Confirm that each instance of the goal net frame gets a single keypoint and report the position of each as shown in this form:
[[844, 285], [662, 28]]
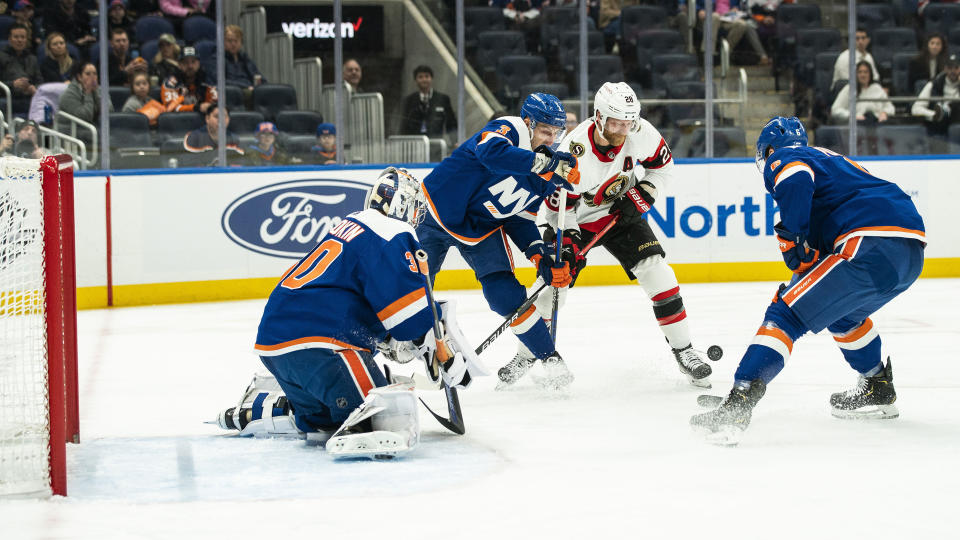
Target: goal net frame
[[58, 305]]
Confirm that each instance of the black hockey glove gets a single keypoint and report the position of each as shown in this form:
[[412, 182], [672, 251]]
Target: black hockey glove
[[637, 201], [572, 253]]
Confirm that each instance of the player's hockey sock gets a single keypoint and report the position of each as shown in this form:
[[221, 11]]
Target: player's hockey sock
[[672, 317], [533, 333], [771, 346], [860, 346]]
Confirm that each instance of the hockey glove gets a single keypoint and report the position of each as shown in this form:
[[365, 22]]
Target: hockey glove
[[798, 256], [571, 253], [562, 164], [637, 201], [554, 274]]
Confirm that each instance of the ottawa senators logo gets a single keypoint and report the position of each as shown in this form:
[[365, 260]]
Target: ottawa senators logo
[[577, 149], [614, 187]]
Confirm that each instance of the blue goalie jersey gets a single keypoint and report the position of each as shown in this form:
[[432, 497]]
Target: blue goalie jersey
[[486, 183], [831, 198], [360, 282]]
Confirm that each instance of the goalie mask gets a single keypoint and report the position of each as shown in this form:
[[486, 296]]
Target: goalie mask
[[396, 194], [616, 100]]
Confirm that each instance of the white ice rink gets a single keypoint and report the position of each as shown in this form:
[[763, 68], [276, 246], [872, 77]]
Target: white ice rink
[[611, 458]]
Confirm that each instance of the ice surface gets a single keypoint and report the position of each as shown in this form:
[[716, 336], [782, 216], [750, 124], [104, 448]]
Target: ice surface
[[611, 457]]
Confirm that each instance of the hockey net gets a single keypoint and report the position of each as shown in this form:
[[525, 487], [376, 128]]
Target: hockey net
[[37, 325]]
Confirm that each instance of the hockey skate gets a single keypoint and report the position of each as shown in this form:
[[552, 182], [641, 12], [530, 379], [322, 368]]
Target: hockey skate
[[725, 424], [514, 370], [873, 397], [692, 365], [556, 373]]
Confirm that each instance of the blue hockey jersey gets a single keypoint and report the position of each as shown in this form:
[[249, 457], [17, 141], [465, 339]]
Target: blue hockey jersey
[[487, 184], [831, 198], [360, 282]]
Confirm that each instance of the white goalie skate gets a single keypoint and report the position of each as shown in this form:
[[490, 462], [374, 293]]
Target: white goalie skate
[[383, 426]]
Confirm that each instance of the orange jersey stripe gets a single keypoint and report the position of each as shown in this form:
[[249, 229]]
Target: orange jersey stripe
[[306, 340], [436, 216], [792, 168], [359, 371], [777, 334], [850, 247], [811, 278], [857, 333], [401, 303], [878, 231]]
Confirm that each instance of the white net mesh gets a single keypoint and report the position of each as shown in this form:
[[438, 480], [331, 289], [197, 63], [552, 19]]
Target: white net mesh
[[24, 425]]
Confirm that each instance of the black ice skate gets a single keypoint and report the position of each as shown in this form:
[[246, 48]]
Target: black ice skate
[[556, 374], [514, 370], [726, 423], [692, 365], [873, 397]]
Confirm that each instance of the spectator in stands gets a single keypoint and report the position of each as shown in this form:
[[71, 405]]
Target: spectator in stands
[[266, 151], [64, 17], [82, 96], [23, 13], [19, 69], [119, 18], [140, 100], [737, 23], [166, 62], [325, 151], [352, 73], [239, 69], [610, 18], [190, 91], [523, 16], [176, 11], [940, 114], [26, 142], [572, 121], [57, 60], [764, 14], [140, 8], [868, 112], [426, 111], [203, 141], [841, 68], [121, 62], [928, 62]]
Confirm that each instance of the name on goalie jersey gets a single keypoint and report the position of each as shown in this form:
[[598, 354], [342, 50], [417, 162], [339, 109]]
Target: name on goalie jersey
[[288, 219]]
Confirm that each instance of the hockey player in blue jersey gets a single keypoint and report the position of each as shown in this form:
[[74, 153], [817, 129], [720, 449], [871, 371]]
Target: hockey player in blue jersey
[[854, 242], [490, 189], [325, 319]]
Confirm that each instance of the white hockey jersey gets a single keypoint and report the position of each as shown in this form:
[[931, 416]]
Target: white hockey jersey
[[605, 176]]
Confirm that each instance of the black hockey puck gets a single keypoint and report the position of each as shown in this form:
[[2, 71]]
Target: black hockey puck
[[714, 352], [708, 401]]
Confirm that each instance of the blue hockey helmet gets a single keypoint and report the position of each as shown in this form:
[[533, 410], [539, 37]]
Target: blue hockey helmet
[[779, 132], [397, 194], [545, 108]]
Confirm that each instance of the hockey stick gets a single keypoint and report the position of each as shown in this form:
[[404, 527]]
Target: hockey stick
[[561, 219], [533, 297], [455, 422]]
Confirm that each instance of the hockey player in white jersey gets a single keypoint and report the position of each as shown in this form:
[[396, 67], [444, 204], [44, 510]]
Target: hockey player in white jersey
[[625, 165]]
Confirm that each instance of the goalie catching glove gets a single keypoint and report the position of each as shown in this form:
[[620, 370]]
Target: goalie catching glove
[[798, 256], [637, 201], [572, 251], [562, 164]]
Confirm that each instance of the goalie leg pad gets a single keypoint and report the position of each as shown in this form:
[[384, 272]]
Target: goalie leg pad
[[385, 424]]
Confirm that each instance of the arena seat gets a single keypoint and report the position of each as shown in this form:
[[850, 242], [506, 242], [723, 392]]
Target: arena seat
[[636, 19], [886, 42], [174, 125], [478, 19], [128, 130], [941, 18], [270, 99], [493, 44], [515, 71], [568, 48], [558, 89], [873, 16], [150, 27], [198, 27], [299, 122], [245, 122]]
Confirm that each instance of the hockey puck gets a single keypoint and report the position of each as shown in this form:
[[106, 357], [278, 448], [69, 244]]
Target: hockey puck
[[714, 352], [706, 400]]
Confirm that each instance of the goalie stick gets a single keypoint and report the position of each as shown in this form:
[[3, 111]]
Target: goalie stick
[[533, 297], [455, 422]]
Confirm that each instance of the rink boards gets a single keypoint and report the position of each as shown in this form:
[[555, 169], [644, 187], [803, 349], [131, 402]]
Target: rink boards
[[183, 235]]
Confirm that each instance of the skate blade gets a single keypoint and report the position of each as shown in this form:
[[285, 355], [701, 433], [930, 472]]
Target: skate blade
[[699, 383], [877, 412], [552, 383], [728, 436], [372, 445]]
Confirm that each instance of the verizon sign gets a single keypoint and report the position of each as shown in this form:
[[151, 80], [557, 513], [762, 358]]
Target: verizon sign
[[313, 31], [320, 30]]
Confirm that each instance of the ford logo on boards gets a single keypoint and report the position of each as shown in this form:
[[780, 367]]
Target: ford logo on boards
[[289, 218]]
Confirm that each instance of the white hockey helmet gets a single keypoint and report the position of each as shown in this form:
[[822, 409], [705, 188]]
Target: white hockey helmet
[[397, 194], [616, 100]]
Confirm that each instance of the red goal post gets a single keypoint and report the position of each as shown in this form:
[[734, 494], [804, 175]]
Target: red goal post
[[38, 339]]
